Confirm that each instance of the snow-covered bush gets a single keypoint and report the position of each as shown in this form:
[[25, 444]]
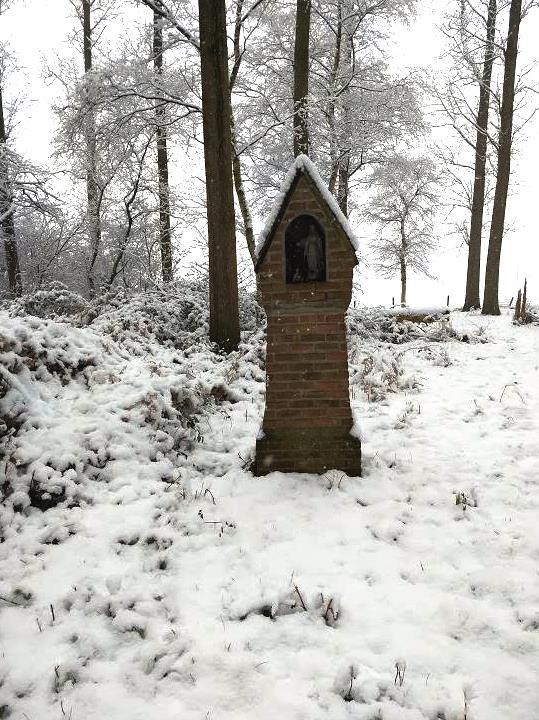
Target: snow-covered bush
[[294, 600], [74, 404], [53, 301], [252, 315], [533, 314], [376, 324], [379, 325], [391, 694], [174, 317], [380, 371]]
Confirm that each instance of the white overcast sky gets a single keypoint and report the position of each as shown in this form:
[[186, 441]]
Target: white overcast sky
[[37, 30]]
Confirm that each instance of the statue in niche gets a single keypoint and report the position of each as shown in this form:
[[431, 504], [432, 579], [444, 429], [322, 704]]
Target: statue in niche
[[305, 250]]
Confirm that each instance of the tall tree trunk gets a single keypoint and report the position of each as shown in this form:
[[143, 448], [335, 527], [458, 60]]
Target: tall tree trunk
[[344, 177], [333, 137], [403, 280], [242, 197], [478, 199], [216, 114], [165, 237], [346, 122], [7, 219], [236, 162], [492, 275], [93, 194], [301, 77], [402, 258]]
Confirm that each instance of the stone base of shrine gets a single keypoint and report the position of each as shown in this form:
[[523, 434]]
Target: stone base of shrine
[[312, 450]]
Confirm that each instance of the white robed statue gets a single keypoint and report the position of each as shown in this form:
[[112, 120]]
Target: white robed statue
[[312, 254]]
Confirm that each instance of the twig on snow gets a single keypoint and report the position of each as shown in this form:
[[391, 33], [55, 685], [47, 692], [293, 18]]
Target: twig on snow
[[513, 385], [300, 598]]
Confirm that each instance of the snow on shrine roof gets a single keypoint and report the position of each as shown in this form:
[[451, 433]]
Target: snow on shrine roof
[[301, 165]]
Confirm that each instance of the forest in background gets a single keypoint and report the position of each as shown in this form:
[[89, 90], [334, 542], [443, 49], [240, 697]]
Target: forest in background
[[104, 215]]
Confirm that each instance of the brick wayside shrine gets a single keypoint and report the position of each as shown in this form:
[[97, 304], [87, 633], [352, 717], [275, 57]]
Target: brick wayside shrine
[[305, 260]]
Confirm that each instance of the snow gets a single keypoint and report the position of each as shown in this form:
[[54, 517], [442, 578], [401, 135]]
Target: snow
[[303, 164], [421, 310], [169, 582]]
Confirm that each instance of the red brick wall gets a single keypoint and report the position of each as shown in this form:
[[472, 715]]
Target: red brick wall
[[340, 258], [308, 417]]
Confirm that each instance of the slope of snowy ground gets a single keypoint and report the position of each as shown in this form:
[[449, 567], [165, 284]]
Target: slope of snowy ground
[[170, 583]]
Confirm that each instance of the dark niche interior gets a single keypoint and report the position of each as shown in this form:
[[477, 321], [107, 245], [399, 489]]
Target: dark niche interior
[[305, 250]]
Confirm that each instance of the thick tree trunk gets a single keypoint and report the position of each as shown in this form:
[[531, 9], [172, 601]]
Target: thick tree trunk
[[216, 114], [472, 299], [7, 219], [344, 176], [403, 282], [93, 194], [403, 263], [492, 275], [301, 77], [165, 236]]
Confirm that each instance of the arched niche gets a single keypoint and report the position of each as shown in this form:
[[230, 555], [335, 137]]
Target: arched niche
[[305, 250]]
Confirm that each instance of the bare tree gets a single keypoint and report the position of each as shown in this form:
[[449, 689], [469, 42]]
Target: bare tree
[[301, 77], [216, 114], [402, 210], [7, 212], [240, 18], [481, 145], [497, 226], [357, 110], [24, 188], [131, 215], [165, 11], [126, 96], [162, 156], [363, 108], [471, 100], [467, 103], [246, 18], [92, 187]]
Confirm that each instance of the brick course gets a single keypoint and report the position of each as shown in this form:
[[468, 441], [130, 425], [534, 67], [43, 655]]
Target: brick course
[[307, 419]]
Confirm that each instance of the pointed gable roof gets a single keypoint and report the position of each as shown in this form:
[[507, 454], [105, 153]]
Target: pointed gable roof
[[302, 165]]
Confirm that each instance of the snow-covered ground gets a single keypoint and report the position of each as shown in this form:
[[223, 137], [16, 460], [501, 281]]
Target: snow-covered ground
[[169, 583]]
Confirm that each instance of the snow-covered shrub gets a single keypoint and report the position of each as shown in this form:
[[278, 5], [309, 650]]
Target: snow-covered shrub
[[377, 325], [390, 694], [252, 315], [379, 372], [175, 317], [403, 419], [466, 499], [443, 330], [438, 356], [37, 350], [53, 301], [294, 600], [37, 359], [15, 594], [77, 401], [533, 314]]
